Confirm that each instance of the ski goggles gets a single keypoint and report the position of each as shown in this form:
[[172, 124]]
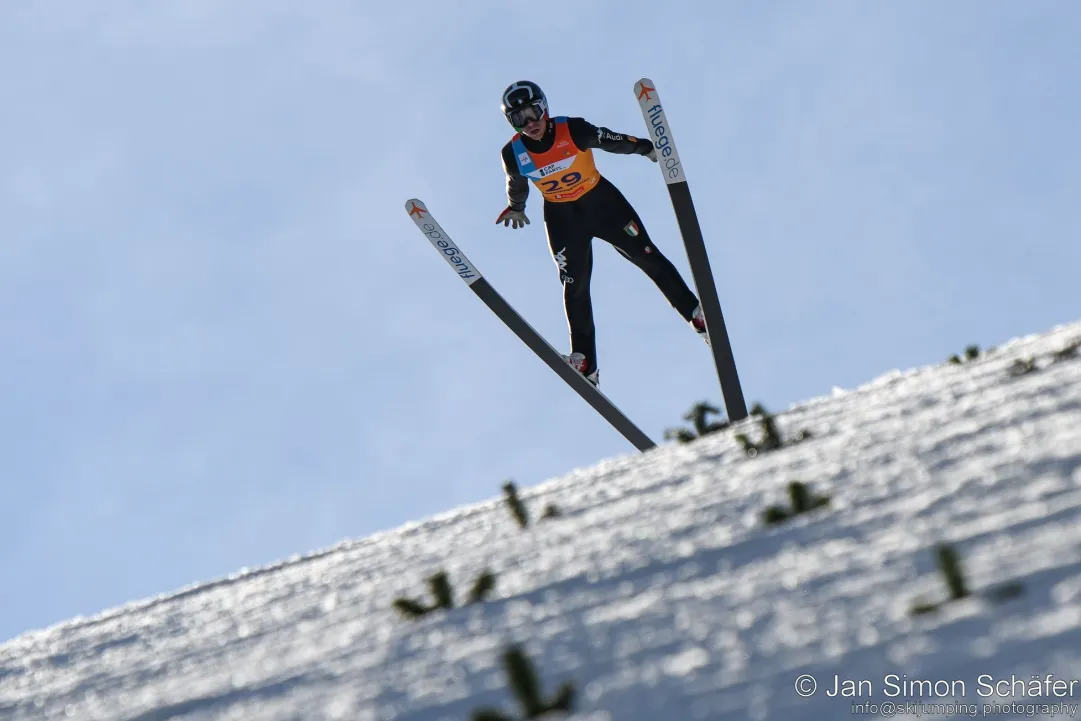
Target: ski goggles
[[521, 117]]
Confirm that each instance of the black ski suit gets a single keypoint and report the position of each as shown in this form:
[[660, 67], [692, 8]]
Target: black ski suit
[[600, 211]]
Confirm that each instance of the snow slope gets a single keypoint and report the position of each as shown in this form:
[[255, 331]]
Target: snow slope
[[659, 592]]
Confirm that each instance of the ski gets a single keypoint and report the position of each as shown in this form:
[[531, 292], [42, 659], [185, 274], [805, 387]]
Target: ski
[[468, 272], [668, 159]]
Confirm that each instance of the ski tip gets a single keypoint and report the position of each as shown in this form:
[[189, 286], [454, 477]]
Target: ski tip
[[416, 208], [645, 89]]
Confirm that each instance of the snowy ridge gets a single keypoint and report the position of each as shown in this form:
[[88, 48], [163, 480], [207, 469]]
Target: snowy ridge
[[659, 592]]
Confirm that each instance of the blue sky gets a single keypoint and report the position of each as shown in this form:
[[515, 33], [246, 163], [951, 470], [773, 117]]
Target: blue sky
[[224, 342]]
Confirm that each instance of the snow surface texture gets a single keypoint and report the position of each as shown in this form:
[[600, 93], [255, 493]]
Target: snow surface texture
[[659, 592]]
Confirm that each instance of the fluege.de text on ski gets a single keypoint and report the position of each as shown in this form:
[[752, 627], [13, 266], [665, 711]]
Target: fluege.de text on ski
[[664, 147], [453, 255]]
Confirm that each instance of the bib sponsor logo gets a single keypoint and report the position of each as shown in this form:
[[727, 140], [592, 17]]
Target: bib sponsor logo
[[553, 168]]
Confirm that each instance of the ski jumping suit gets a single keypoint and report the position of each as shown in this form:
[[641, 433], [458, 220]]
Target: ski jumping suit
[[579, 205]]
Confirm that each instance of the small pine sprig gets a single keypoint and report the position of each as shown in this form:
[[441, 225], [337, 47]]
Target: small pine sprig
[[697, 416], [524, 684], [1068, 352], [519, 510], [771, 436], [483, 586], [1028, 365], [410, 608], [972, 352], [775, 515], [949, 565], [439, 587], [681, 435], [443, 596], [1021, 367], [801, 500]]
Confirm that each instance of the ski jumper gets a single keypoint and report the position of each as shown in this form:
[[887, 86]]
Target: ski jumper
[[580, 204]]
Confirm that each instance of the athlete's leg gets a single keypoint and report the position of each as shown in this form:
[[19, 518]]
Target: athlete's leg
[[616, 221], [571, 244]]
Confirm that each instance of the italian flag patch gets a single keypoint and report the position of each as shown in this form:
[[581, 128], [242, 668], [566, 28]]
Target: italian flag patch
[[631, 228]]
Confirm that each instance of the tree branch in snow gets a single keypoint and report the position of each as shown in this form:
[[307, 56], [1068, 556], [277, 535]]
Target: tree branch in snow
[[525, 685], [482, 587], [518, 509], [697, 417], [949, 565], [1067, 353], [971, 354], [801, 500], [1022, 367], [439, 587], [771, 436]]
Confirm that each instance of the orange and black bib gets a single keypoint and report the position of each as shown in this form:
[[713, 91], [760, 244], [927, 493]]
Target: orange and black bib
[[563, 173]]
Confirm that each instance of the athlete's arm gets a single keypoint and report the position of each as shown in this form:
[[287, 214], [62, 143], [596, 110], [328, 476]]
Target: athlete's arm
[[587, 135], [517, 184]]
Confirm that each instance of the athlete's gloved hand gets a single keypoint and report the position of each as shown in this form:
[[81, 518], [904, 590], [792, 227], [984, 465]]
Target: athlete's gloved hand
[[647, 143], [508, 216]]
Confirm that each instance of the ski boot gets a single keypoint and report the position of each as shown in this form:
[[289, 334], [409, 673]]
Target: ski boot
[[698, 322], [579, 363]]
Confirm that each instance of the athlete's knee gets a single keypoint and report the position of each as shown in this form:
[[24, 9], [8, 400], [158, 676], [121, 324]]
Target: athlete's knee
[[644, 254]]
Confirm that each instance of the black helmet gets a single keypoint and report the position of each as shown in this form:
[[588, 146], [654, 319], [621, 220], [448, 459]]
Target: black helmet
[[523, 101]]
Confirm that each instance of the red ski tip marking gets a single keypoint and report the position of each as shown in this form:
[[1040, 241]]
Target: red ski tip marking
[[646, 90], [415, 210]]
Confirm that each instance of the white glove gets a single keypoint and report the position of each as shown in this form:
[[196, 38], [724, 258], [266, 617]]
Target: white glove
[[652, 155], [517, 217]]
